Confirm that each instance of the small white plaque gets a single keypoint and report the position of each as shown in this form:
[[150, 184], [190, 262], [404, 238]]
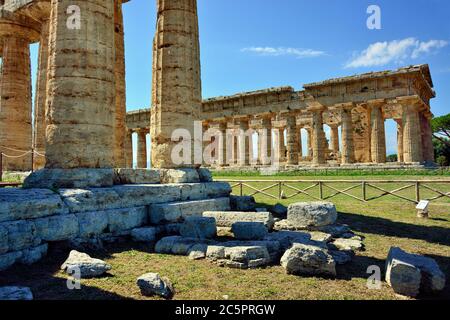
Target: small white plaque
[[423, 205]]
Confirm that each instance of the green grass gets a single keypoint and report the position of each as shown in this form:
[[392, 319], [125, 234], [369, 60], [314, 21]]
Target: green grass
[[384, 223]]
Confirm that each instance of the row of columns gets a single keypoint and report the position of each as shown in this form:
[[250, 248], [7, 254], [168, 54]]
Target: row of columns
[[141, 150], [414, 136]]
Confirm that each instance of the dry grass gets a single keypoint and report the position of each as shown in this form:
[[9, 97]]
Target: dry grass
[[384, 223]]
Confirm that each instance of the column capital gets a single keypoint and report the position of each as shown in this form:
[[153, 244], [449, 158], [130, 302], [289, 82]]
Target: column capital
[[19, 26], [345, 106], [376, 103], [413, 100]]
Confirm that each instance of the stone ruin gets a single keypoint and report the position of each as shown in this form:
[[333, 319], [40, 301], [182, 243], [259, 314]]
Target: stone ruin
[[85, 196]]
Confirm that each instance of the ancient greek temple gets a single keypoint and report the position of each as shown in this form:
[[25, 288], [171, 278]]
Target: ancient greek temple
[[79, 117]]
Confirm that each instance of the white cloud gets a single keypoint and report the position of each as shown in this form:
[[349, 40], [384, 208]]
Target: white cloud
[[282, 51], [396, 51]]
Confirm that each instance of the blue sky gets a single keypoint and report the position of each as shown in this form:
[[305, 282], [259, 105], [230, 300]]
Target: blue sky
[[255, 44]]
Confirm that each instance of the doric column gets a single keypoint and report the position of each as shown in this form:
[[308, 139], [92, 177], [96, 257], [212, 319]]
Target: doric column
[[334, 138], [427, 136], [348, 145], [292, 137], [378, 137], [399, 140], [222, 147], [120, 90], [81, 107], [176, 91], [263, 126], [142, 149], [309, 142], [16, 33], [244, 143], [318, 138], [300, 143], [412, 141], [40, 101], [129, 149]]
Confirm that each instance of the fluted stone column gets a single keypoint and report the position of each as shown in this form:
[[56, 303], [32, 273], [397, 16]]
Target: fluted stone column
[[142, 149], [40, 102], [427, 137], [317, 138], [129, 149], [378, 137], [348, 147], [334, 141], [399, 140], [292, 138], [176, 91], [282, 146], [16, 33], [120, 99], [222, 146], [309, 142], [81, 107], [412, 141], [300, 143], [265, 142], [244, 143]]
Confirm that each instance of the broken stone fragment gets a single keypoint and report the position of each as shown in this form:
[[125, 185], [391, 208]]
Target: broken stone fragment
[[249, 230], [239, 257], [146, 234], [242, 203], [308, 260], [279, 211], [82, 264], [346, 244], [15, 293], [199, 227], [228, 218], [311, 214], [151, 284]]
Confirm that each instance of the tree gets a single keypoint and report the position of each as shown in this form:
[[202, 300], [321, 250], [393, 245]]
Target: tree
[[442, 151], [441, 129], [392, 158]]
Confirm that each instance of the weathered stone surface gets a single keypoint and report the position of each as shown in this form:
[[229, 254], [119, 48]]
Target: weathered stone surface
[[96, 199], [179, 245], [151, 284], [33, 255], [242, 203], [4, 246], [26, 204], [217, 189], [178, 211], [347, 244], [193, 191], [92, 223], [57, 228], [199, 227], [8, 259], [70, 178], [409, 274], [226, 219], [240, 257], [320, 236], [146, 234], [308, 260], [279, 211], [336, 230], [15, 293], [204, 175], [86, 266], [315, 214], [126, 219], [137, 176], [21, 234], [179, 176], [143, 195], [249, 230], [289, 238], [341, 257], [198, 251]]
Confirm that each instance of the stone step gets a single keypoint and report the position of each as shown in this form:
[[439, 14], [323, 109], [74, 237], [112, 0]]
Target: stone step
[[228, 218], [177, 211]]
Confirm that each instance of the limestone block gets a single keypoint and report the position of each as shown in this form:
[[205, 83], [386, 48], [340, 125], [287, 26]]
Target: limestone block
[[408, 274], [199, 227], [192, 191], [8, 259], [86, 200], [57, 228], [179, 176], [315, 214], [308, 260], [198, 251], [342, 257], [92, 223], [227, 218], [249, 230], [273, 247], [242, 203], [143, 195], [217, 189], [347, 244], [177, 211], [4, 246], [15, 294], [279, 211], [288, 238], [86, 266], [204, 175], [18, 204], [240, 257], [152, 284], [179, 245], [147, 234], [70, 178], [137, 176], [21, 234], [126, 219], [33, 255]]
